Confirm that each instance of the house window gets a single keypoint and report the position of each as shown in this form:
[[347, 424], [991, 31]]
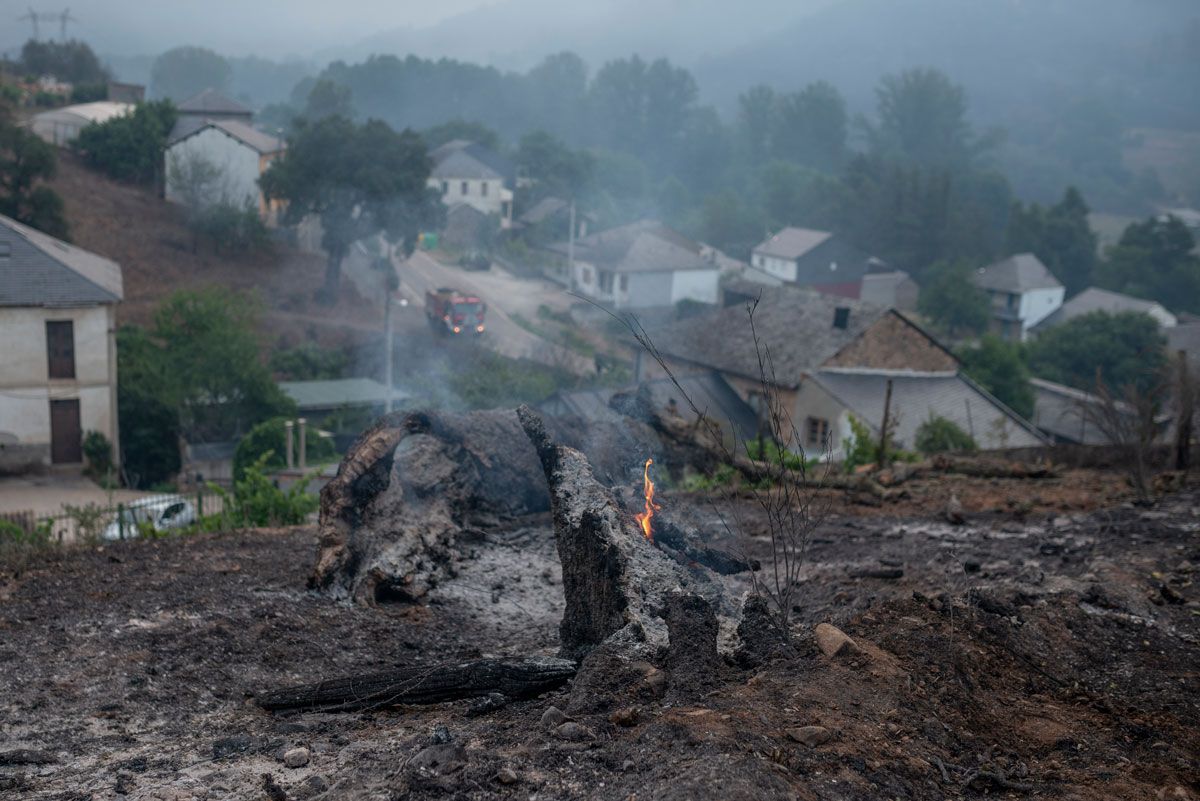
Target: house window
[[5, 250], [483, 188], [1012, 300], [465, 188], [60, 348], [606, 282], [624, 283], [816, 431], [445, 187]]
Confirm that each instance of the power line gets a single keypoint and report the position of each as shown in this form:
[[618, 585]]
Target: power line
[[35, 18]]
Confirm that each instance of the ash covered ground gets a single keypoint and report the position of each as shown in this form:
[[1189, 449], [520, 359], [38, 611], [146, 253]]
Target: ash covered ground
[[1046, 649]]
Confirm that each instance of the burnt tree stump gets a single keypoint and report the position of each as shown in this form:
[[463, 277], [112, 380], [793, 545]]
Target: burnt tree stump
[[692, 658], [616, 583]]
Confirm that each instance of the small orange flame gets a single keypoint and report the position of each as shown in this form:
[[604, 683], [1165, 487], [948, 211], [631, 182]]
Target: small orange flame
[[643, 519]]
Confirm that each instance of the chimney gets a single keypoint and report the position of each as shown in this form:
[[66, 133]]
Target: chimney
[[841, 317]]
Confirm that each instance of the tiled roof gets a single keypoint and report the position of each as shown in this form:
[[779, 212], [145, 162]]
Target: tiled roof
[[248, 135], [792, 243], [640, 247], [1095, 299], [917, 396], [1020, 273], [40, 270], [797, 325], [210, 101]]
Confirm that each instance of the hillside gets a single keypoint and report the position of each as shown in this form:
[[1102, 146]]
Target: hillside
[[149, 238]]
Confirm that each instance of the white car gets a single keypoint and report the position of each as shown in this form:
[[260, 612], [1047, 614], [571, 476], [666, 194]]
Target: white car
[[162, 512]]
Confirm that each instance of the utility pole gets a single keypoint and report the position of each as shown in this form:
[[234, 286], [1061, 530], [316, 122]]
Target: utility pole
[[883, 428], [387, 349], [571, 249], [34, 18]]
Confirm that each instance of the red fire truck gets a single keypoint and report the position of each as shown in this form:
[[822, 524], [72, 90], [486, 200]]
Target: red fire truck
[[451, 312]]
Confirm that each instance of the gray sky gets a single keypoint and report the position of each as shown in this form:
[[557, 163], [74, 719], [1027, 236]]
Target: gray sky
[[270, 28]]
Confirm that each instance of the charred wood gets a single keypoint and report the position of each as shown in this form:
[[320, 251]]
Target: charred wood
[[431, 684]]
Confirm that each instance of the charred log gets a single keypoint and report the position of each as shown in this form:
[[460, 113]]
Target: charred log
[[414, 485], [432, 684]]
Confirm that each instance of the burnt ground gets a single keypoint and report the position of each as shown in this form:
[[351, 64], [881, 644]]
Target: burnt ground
[[1043, 652]]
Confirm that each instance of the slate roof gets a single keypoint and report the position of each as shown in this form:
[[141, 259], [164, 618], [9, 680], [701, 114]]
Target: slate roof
[[1017, 274], [260, 142], [335, 393], [543, 209], [709, 391], [645, 246], [1095, 299], [40, 270], [210, 102], [792, 243], [99, 111], [796, 324], [916, 396], [461, 159]]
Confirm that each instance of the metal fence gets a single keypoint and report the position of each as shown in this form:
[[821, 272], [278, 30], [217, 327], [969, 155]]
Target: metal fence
[[162, 514]]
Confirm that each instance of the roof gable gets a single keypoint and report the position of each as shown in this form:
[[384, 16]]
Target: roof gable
[[262, 143], [43, 271]]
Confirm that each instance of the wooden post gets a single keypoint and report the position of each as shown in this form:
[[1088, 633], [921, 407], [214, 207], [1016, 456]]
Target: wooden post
[[883, 428], [121, 520], [1187, 405]]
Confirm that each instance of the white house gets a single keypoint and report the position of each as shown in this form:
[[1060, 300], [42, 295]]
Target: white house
[[1094, 299], [816, 259], [61, 126], [641, 265], [466, 172], [220, 161], [1022, 294], [58, 376]]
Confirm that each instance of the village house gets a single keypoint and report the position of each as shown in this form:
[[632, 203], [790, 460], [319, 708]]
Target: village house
[[61, 126], [220, 161], [58, 377], [1094, 299], [641, 265], [833, 359], [1022, 293], [209, 105], [816, 259], [467, 172]]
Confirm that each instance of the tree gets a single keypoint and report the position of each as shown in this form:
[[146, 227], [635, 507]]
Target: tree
[[71, 61], [130, 147], [183, 72], [729, 224], [554, 167], [809, 127], [197, 374], [266, 445], [939, 435], [1059, 235], [1154, 260], [26, 162], [999, 367], [558, 90], [361, 180], [952, 301], [1124, 349], [641, 108], [793, 195], [328, 99], [756, 113], [922, 119]]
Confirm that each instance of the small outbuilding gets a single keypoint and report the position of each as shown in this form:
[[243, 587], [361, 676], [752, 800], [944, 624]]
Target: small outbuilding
[[61, 126]]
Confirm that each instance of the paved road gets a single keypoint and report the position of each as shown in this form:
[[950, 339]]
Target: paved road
[[505, 295]]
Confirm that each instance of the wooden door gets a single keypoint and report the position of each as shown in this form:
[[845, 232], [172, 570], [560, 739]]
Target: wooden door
[[66, 438]]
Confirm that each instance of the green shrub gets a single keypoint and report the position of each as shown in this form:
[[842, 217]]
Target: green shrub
[[229, 229], [939, 435], [129, 147], [309, 362], [98, 451], [268, 440], [723, 476], [256, 501], [860, 447]]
